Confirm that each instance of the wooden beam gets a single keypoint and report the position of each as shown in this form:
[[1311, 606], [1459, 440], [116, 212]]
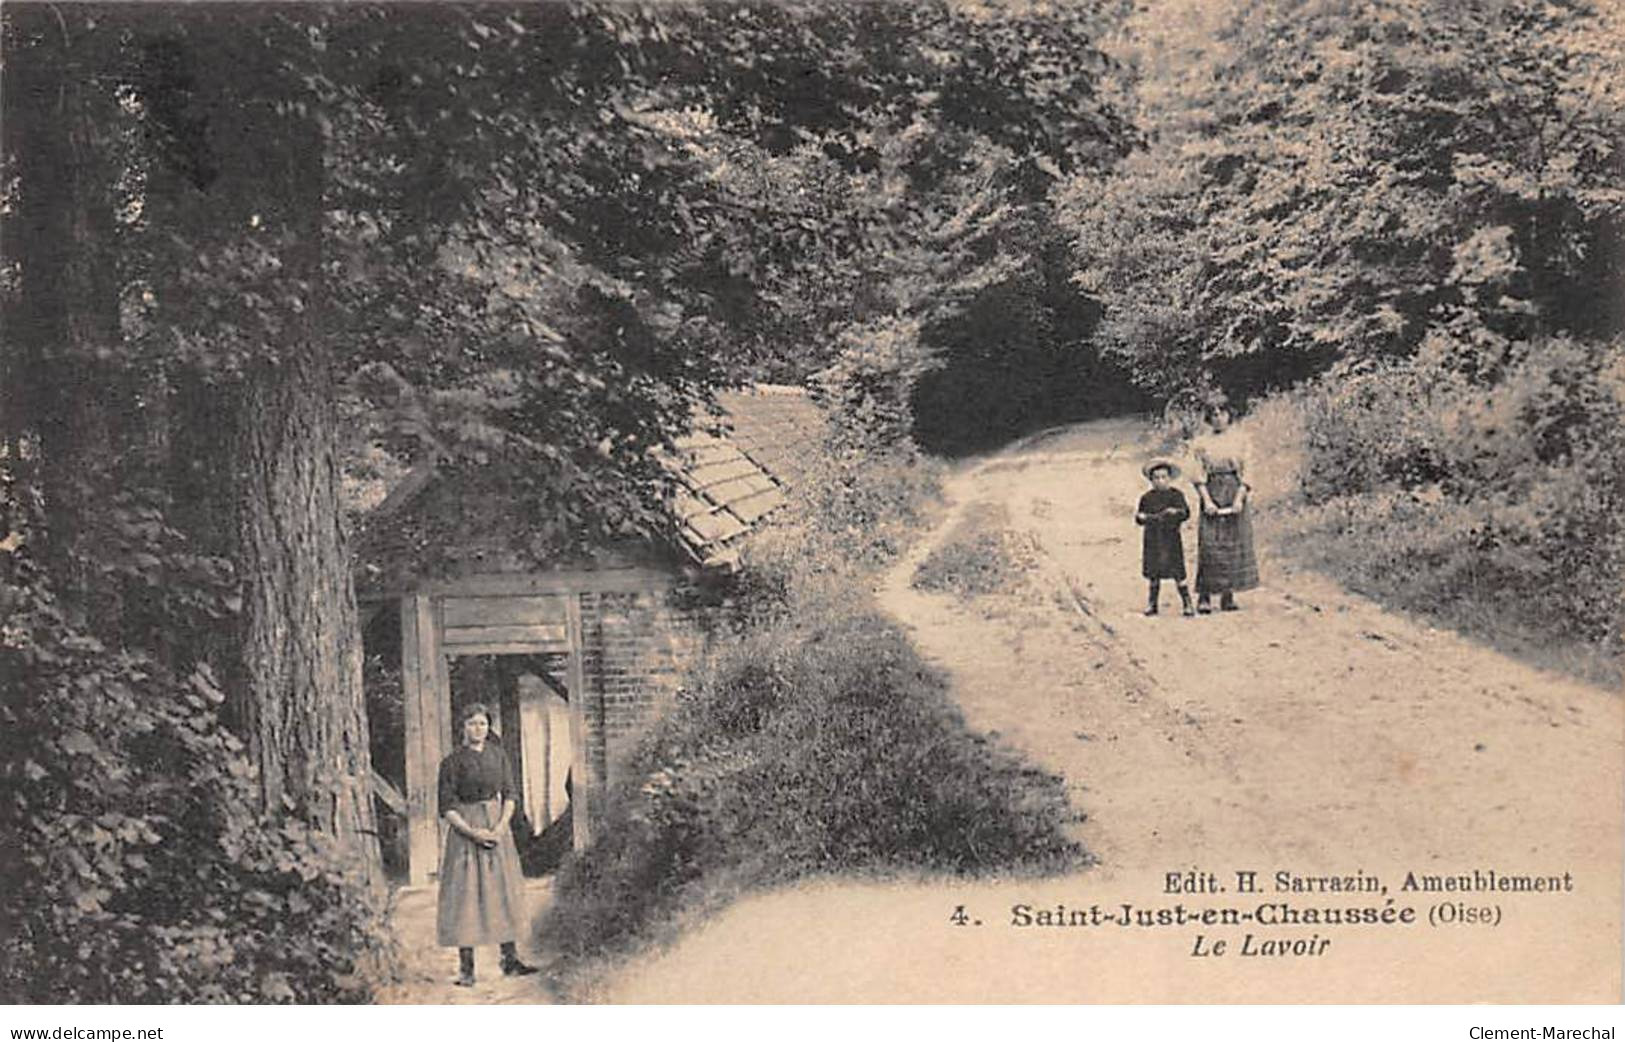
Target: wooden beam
[[510, 610], [406, 490], [421, 687], [533, 739], [387, 792], [444, 741], [514, 648], [608, 580], [418, 854], [554, 635]]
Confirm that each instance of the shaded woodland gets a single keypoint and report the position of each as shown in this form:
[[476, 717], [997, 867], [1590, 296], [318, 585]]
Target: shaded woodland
[[254, 257]]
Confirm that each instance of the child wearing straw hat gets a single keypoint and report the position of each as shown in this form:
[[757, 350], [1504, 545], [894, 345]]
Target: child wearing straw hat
[[1161, 512]]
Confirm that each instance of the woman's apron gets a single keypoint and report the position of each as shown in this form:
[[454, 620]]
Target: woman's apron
[[481, 890], [1225, 560]]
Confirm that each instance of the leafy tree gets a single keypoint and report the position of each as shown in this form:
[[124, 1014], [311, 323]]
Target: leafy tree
[[1325, 182], [246, 245]]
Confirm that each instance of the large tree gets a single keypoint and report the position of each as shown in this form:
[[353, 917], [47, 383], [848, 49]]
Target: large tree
[[534, 237], [1326, 182]]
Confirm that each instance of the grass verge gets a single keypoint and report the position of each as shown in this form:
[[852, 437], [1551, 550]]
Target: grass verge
[[981, 555], [817, 743], [1412, 555], [1446, 510]]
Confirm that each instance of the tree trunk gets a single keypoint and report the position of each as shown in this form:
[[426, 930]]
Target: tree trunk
[[68, 388], [298, 696], [258, 466], [301, 702]]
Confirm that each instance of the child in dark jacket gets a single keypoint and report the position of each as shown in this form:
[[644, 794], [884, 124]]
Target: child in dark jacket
[[1161, 511]]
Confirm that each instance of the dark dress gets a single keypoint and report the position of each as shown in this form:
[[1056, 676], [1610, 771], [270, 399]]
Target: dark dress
[[481, 897], [1163, 555], [1225, 561]]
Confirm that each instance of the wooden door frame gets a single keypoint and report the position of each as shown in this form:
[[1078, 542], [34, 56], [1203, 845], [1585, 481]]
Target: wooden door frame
[[426, 691]]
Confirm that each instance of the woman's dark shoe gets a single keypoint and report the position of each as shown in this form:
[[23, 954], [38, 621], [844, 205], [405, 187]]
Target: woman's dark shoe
[[1151, 609], [1204, 606], [1228, 603], [511, 964], [1187, 610], [464, 981]]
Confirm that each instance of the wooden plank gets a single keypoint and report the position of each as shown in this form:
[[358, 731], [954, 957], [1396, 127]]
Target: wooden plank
[[714, 528], [728, 492], [714, 475], [508, 648], [387, 792], [755, 507], [608, 580], [558, 756], [583, 789], [443, 739], [423, 834], [505, 635], [458, 612], [416, 480]]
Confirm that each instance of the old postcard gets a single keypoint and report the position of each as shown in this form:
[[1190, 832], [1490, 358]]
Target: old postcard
[[973, 501]]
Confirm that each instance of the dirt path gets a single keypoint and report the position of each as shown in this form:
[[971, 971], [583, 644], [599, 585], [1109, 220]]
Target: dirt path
[[1312, 733], [428, 970]]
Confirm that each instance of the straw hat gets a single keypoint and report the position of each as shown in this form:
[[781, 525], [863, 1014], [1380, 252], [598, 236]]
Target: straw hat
[[1173, 468]]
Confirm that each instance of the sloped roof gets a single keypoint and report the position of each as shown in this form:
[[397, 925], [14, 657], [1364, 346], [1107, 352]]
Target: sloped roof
[[728, 484], [778, 427]]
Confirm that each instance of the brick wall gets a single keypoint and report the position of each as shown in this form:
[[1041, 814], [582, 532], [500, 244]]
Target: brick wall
[[638, 647]]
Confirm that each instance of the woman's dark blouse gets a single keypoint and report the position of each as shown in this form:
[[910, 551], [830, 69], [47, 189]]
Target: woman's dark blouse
[[467, 776]]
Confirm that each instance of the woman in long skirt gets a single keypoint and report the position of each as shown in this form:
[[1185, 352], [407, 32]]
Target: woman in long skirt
[[1225, 560], [481, 885]]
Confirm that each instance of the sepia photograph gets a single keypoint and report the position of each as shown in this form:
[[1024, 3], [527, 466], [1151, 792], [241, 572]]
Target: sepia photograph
[[819, 502]]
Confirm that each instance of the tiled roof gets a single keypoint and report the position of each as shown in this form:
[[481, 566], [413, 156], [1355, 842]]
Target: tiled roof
[[778, 427], [729, 484]]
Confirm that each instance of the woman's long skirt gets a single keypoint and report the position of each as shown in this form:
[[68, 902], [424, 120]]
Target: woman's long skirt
[[481, 890], [1225, 561]]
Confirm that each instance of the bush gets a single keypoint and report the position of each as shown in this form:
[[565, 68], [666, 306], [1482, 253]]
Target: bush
[[818, 742], [1498, 508], [137, 867], [1366, 431], [819, 746]]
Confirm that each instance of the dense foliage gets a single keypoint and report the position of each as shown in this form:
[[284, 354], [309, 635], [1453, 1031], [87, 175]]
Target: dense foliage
[[139, 865], [817, 749], [818, 742], [253, 248], [1497, 510], [1330, 182], [1420, 203]]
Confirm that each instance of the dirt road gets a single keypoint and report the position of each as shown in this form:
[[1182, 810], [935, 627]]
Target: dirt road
[[1311, 733]]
